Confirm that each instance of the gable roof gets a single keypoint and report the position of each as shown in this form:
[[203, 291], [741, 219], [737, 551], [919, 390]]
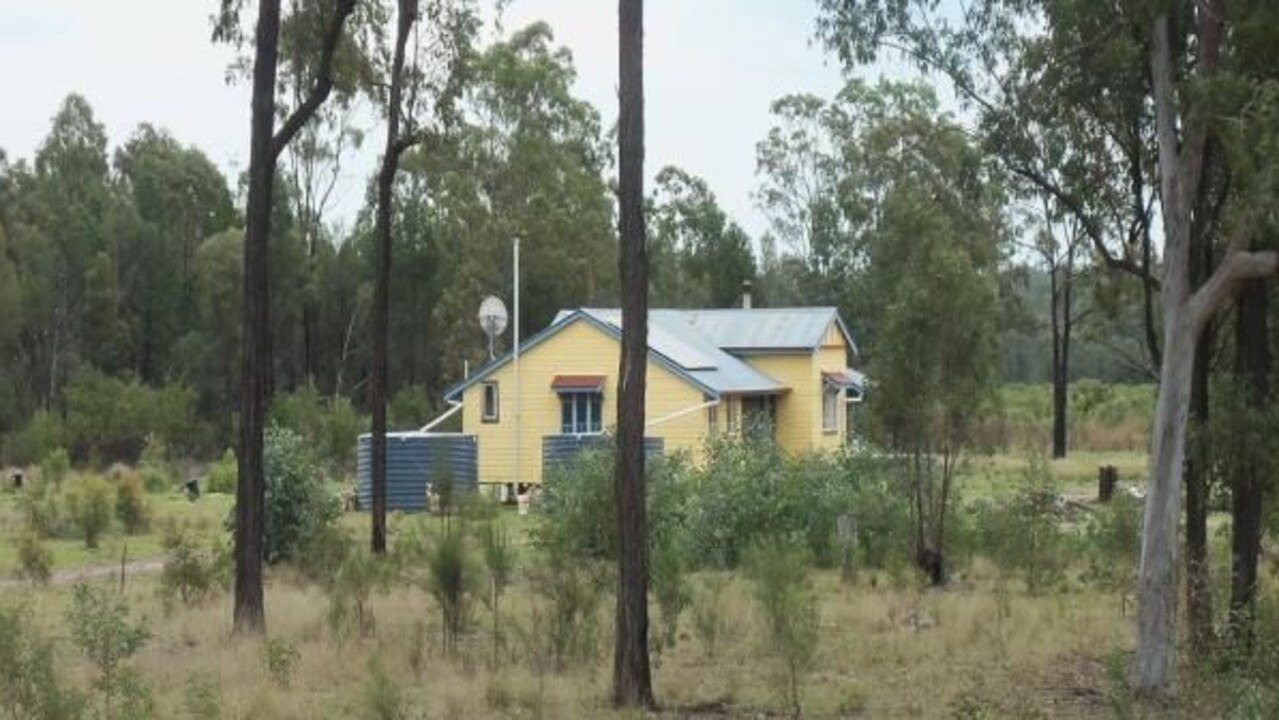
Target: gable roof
[[698, 345], [767, 329]]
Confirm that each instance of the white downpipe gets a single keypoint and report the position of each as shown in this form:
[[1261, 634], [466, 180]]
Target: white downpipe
[[681, 413], [517, 360], [457, 405]]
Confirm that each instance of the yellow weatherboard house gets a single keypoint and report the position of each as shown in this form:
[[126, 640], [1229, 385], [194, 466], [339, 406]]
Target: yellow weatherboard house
[[783, 371]]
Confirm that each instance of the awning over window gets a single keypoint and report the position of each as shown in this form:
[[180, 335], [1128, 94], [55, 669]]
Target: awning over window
[[846, 379], [578, 383]]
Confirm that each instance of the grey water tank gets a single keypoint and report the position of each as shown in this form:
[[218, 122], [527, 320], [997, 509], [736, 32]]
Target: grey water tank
[[413, 461]]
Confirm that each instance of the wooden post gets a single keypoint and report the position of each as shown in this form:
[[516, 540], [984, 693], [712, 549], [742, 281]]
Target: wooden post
[[1107, 478]]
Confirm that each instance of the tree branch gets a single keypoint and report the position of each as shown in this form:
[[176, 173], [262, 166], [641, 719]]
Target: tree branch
[[323, 81], [1238, 265]]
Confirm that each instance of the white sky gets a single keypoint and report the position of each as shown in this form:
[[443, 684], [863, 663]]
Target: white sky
[[712, 67]]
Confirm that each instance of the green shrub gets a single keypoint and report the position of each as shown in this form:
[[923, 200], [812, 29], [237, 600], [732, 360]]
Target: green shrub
[[383, 697], [1024, 536], [297, 504], [578, 515], [668, 583], [42, 434], [101, 627], [156, 480], [223, 474], [499, 562], [89, 507], [202, 698], [157, 473], [451, 582], [192, 572], [1113, 537], [44, 509], [110, 419], [55, 466], [779, 570], [132, 508], [564, 626], [329, 425], [35, 559], [708, 612], [29, 683], [279, 659]]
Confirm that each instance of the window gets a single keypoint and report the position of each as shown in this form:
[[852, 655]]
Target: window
[[581, 413], [712, 418], [491, 403], [830, 409], [732, 415]]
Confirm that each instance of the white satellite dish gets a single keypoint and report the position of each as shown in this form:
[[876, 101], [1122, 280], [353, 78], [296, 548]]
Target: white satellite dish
[[493, 319]]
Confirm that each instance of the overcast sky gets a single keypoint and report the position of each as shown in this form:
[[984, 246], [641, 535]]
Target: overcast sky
[[711, 69]]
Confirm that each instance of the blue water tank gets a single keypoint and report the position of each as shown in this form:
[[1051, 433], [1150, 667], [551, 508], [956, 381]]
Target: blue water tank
[[413, 461]]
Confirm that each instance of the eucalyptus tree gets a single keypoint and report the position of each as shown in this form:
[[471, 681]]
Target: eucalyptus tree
[[1148, 56], [267, 141], [422, 85], [632, 676], [698, 257]]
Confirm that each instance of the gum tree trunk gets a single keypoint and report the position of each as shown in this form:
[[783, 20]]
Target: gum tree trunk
[[632, 678], [250, 500], [1252, 368]]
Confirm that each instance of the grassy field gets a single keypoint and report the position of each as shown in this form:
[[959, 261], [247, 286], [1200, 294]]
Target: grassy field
[[983, 647], [886, 650]]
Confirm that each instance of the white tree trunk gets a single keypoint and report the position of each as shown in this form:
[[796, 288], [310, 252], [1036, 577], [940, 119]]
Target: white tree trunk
[[1157, 583]]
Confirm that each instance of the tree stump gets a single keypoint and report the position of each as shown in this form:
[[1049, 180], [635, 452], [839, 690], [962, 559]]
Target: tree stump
[[846, 528], [1107, 479]]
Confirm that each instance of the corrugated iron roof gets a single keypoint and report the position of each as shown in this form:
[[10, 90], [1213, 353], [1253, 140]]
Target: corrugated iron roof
[[767, 329], [702, 345], [671, 335]]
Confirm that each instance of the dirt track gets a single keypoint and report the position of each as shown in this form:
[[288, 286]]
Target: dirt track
[[93, 572]]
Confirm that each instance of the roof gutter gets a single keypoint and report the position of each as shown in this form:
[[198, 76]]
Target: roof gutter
[[682, 413], [457, 405]]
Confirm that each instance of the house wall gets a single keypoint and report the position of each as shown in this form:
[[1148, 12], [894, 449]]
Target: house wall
[[578, 349], [830, 356], [799, 411]]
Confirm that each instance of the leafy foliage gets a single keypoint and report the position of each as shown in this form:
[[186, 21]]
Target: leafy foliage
[[298, 506], [101, 627], [29, 682], [780, 574], [89, 507]]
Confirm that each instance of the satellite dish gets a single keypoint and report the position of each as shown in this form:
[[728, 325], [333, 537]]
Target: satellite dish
[[493, 319]]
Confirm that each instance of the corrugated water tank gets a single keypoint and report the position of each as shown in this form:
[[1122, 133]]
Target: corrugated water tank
[[413, 461]]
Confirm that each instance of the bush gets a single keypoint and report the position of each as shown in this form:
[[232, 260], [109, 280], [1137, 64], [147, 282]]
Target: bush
[[110, 419], [499, 562], [55, 466], [29, 683], [297, 504], [329, 425], [42, 434], [564, 627], [279, 659], [451, 582], [35, 559], [102, 629], [223, 474], [44, 509], [157, 473], [192, 572], [780, 573], [1024, 536], [578, 518], [89, 507], [383, 698], [1113, 536], [132, 508], [708, 612], [669, 585]]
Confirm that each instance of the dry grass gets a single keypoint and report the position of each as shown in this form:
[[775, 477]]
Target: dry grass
[[886, 650]]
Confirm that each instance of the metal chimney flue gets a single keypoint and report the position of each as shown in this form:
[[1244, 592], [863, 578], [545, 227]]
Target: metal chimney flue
[[746, 294]]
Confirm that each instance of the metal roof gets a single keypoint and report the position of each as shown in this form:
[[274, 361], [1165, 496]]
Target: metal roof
[[670, 335], [767, 329], [699, 345]]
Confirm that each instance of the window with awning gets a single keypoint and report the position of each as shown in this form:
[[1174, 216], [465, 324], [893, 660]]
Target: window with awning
[[581, 403]]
